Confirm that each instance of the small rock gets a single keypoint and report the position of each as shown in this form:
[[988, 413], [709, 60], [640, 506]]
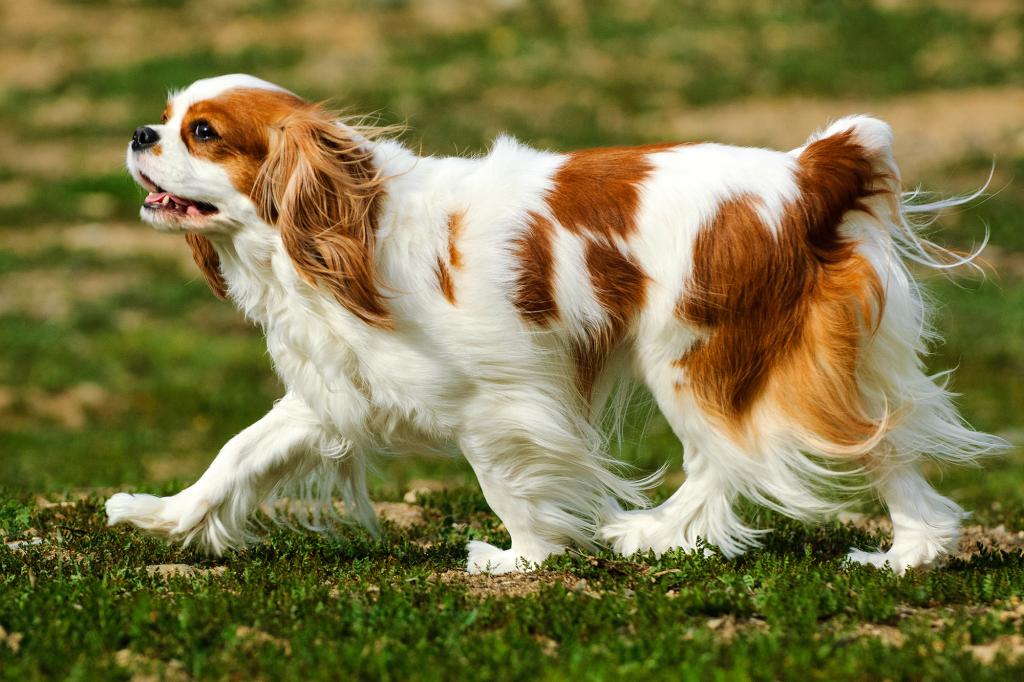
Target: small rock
[[246, 633], [548, 646], [401, 514], [422, 487], [18, 545], [44, 503], [182, 570], [1010, 646], [11, 640], [144, 667]]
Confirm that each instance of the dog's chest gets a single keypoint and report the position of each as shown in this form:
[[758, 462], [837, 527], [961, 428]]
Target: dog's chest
[[385, 387]]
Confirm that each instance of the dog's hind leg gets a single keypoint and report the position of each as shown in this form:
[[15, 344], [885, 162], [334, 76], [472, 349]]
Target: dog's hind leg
[[702, 509], [926, 525]]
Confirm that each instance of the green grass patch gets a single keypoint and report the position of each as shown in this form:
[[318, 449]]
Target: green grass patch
[[302, 606]]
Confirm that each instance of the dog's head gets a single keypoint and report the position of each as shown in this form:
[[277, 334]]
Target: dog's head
[[235, 151]]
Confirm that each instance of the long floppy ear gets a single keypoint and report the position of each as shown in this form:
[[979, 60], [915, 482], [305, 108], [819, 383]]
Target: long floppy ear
[[208, 261], [321, 189]]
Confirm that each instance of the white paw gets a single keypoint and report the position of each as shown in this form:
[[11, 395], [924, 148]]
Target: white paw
[[896, 561], [626, 535], [486, 558], [643, 531], [170, 517], [876, 559]]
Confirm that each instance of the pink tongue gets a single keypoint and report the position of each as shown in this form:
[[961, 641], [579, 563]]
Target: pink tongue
[[157, 197]]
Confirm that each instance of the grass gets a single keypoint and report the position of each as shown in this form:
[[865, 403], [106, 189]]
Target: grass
[[118, 370], [302, 606]]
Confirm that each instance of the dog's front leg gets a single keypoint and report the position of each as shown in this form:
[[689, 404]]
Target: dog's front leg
[[531, 544], [213, 512], [539, 476]]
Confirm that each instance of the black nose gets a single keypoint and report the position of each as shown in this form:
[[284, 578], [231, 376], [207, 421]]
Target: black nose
[[144, 137]]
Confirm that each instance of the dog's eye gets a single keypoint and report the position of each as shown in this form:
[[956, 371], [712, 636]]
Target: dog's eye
[[203, 131]]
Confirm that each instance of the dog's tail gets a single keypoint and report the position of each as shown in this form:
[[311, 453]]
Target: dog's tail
[[869, 234], [911, 213]]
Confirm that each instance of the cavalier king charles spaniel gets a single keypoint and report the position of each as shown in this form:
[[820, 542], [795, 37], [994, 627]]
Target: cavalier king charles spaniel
[[495, 304]]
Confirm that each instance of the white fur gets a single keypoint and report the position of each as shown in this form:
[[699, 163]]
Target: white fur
[[476, 376]]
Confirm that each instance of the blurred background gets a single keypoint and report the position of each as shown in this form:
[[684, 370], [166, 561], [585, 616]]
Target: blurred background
[[118, 368]]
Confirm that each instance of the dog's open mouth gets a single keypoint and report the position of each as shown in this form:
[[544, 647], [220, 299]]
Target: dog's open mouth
[[165, 201], [159, 199]]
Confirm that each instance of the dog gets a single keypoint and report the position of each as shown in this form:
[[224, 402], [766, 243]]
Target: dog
[[496, 304]]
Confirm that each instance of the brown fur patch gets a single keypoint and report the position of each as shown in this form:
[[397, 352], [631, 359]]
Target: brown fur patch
[[619, 283], [454, 231], [168, 113], [157, 150], [535, 285], [597, 191], [208, 261], [786, 314], [595, 194], [620, 288], [444, 280]]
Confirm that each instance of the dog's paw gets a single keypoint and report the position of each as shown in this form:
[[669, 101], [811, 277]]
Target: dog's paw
[[629, 532], [486, 558], [896, 561], [170, 517], [144, 511]]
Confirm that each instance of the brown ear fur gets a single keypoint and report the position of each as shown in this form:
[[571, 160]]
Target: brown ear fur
[[322, 191], [208, 261]]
